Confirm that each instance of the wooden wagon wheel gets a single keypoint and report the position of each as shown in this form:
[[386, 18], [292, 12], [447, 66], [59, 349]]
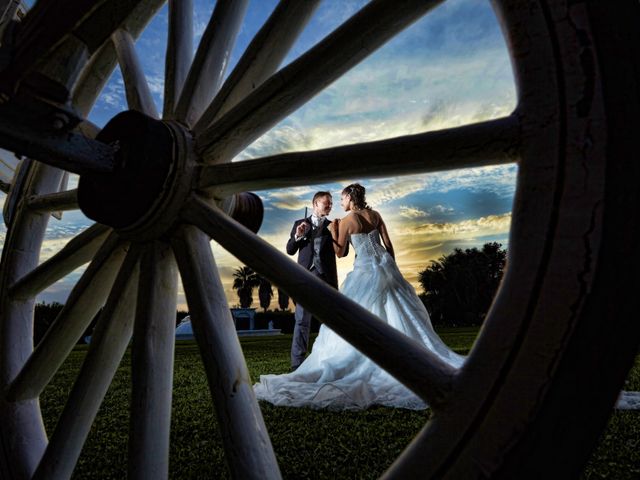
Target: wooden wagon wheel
[[542, 377]]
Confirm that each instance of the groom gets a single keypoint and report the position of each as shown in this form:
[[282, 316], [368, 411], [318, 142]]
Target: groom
[[311, 238]]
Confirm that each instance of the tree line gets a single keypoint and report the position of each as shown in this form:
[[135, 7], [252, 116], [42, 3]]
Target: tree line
[[458, 288]]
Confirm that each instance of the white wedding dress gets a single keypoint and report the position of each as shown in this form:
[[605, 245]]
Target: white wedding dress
[[335, 375]]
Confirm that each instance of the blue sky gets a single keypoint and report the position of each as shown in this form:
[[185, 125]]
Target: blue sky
[[450, 68]]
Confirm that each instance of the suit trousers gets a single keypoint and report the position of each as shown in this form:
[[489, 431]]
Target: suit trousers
[[301, 330]]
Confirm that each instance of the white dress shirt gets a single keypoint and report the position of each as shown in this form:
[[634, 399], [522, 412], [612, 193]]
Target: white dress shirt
[[315, 221]]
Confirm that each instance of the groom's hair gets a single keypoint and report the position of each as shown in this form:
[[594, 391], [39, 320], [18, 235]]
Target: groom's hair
[[319, 195]]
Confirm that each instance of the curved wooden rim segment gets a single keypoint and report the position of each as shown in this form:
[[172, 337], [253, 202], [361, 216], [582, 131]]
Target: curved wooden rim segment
[[84, 302], [540, 330], [21, 422]]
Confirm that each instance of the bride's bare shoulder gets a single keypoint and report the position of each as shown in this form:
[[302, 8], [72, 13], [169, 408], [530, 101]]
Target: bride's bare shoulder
[[376, 218], [351, 222]]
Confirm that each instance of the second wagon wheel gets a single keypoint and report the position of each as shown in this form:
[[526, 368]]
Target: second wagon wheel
[[543, 375]]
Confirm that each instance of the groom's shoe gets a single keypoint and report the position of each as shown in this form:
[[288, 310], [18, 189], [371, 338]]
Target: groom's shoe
[[293, 368]]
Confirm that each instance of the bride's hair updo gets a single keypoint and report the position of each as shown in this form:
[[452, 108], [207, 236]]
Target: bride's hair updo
[[356, 193]]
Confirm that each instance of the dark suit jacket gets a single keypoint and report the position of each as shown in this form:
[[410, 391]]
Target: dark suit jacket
[[304, 247]]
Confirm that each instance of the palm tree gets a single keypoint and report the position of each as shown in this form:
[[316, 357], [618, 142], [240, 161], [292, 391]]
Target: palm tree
[[265, 292], [244, 281]]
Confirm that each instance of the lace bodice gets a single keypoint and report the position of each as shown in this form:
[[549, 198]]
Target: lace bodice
[[367, 246]]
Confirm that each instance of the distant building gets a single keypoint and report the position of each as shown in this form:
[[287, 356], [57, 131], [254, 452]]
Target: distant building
[[243, 318]]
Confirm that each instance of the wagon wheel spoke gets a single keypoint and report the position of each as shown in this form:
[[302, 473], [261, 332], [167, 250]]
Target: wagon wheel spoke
[[246, 442], [138, 94], [295, 84], [152, 364], [54, 202], [489, 143], [98, 69], [211, 59], [84, 301], [404, 358], [67, 150], [261, 58], [109, 342], [77, 252], [179, 52]]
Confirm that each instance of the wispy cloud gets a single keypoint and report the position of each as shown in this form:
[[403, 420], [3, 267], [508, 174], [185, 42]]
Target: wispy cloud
[[156, 84], [499, 180], [440, 209], [295, 198], [286, 137], [438, 232], [415, 213], [411, 212], [114, 95], [388, 190]]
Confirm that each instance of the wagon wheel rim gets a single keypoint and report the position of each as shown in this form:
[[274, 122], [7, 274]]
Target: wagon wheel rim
[[548, 122]]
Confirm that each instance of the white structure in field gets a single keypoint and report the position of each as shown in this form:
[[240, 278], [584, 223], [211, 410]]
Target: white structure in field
[[244, 319]]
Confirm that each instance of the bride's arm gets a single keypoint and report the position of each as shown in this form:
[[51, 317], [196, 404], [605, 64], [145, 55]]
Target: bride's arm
[[382, 228], [339, 233]]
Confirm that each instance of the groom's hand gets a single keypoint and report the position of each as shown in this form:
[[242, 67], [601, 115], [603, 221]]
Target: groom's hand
[[302, 229]]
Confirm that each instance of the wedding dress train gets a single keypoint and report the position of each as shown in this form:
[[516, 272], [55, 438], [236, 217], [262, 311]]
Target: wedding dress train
[[335, 375]]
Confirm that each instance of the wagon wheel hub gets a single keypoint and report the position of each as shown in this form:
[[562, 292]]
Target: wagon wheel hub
[[143, 195]]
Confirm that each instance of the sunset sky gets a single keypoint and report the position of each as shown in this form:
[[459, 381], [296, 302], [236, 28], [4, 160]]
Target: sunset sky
[[450, 68]]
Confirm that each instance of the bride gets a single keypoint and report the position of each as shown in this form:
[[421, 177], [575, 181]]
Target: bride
[[335, 375]]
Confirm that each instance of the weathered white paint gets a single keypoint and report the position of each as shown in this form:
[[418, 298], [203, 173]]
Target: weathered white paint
[[211, 60], [489, 143], [84, 301], [109, 342], [179, 53], [77, 252], [247, 445], [137, 89], [59, 201], [261, 58], [152, 364]]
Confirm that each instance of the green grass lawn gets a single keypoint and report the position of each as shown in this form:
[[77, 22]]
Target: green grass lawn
[[308, 443]]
